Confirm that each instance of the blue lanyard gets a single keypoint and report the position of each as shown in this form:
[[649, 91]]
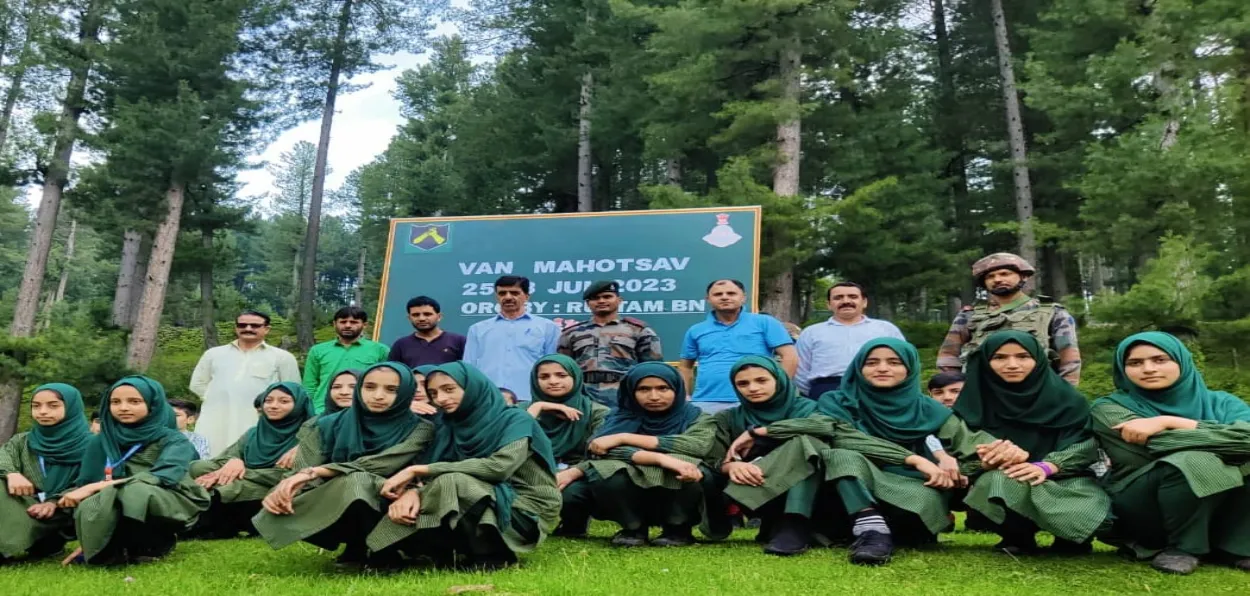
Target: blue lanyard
[[110, 465], [43, 471]]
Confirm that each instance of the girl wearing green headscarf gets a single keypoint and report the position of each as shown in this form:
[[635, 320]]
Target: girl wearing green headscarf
[[882, 397], [486, 489], [38, 465], [421, 405], [134, 494], [243, 474], [1178, 458], [631, 482], [1013, 395], [333, 499], [340, 391], [567, 415]]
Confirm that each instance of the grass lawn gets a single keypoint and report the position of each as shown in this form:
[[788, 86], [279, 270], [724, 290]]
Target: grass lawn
[[962, 565]]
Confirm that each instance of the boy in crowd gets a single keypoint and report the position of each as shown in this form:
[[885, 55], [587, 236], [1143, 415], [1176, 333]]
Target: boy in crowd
[[95, 422], [187, 413], [945, 387]]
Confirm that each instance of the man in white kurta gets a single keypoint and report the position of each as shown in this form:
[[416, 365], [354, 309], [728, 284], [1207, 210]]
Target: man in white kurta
[[228, 378]]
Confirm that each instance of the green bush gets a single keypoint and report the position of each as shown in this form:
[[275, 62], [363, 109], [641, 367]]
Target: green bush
[[922, 334]]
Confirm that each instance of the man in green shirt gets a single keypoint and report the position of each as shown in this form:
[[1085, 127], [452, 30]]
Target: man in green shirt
[[348, 350]]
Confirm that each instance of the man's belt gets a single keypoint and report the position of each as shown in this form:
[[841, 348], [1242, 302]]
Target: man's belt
[[603, 376]]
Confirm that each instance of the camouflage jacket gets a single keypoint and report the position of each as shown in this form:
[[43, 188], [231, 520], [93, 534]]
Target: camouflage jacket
[[605, 352], [1059, 333]]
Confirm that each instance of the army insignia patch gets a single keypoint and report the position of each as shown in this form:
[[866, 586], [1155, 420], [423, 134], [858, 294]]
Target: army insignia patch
[[429, 238]]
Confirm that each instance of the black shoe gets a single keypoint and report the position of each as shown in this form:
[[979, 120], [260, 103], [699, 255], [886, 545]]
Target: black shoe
[[792, 537], [1068, 548], [1176, 562], [630, 538], [1242, 564], [572, 528], [353, 557], [872, 548], [675, 536]]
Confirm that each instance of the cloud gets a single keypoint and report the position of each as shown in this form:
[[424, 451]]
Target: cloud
[[364, 123]]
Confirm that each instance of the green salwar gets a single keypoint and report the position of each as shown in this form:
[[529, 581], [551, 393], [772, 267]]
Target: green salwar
[[638, 497], [236, 503], [23, 534], [1071, 504], [577, 457], [1183, 490], [456, 503], [342, 509], [139, 515], [861, 484]]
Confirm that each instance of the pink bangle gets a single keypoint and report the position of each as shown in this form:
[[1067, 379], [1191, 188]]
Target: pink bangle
[[1046, 467]]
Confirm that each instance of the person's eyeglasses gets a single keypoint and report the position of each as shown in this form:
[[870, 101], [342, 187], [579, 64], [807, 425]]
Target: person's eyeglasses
[[249, 325]]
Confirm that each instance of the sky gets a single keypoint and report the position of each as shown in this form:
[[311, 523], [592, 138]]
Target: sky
[[364, 123]]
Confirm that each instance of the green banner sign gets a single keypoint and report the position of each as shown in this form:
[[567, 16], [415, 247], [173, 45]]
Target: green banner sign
[[663, 260]]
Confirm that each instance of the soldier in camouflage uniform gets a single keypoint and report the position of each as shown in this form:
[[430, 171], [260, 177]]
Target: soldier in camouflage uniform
[[1003, 275], [608, 345]]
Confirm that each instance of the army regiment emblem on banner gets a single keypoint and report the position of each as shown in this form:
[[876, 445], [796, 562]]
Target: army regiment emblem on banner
[[428, 237]]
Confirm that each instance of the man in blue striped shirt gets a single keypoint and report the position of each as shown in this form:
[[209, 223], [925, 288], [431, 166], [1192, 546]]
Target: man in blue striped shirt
[[826, 349], [506, 346]]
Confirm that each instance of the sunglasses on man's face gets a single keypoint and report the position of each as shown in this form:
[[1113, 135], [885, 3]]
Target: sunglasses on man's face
[[249, 325]]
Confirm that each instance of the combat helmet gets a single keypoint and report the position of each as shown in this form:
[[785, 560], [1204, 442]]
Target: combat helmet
[[1002, 260]]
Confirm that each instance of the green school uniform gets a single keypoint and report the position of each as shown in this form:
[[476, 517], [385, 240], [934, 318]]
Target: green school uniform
[[155, 498], [260, 449], [1183, 489], [49, 458], [568, 438], [1045, 416], [364, 448], [639, 496], [491, 489], [902, 415]]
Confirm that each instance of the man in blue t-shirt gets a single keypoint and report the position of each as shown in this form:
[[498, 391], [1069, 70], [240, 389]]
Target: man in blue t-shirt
[[727, 335]]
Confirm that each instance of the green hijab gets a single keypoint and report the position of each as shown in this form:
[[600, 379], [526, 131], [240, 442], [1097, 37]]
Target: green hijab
[[784, 405], [902, 414], [60, 447], [1042, 414], [1187, 398], [330, 406], [567, 437], [425, 369], [269, 440], [481, 426], [630, 417], [117, 439], [356, 431]]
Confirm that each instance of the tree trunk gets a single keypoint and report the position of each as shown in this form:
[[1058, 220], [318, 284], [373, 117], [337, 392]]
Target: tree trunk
[[1056, 272], [360, 278], [1015, 136], [950, 135], [10, 97], [140, 280], [143, 339], [69, 258], [54, 184], [308, 275], [672, 172], [126, 274], [779, 296], [584, 165], [208, 314]]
